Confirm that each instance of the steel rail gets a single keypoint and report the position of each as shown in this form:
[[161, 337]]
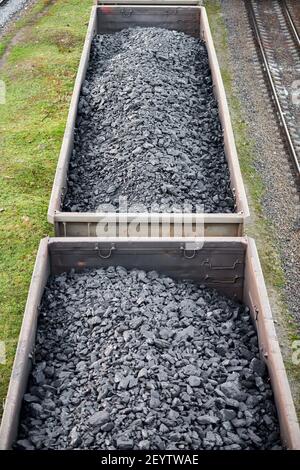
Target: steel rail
[[273, 88], [291, 22]]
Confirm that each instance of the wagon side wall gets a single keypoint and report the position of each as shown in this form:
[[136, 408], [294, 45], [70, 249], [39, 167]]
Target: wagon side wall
[[256, 297], [60, 179], [25, 349]]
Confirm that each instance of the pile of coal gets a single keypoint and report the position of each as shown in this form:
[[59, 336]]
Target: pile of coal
[[135, 360], [148, 128]]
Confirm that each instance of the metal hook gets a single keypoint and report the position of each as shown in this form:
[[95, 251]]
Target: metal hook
[[112, 248], [189, 257], [184, 252]]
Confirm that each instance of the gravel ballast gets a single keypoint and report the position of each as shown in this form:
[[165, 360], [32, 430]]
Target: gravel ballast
[[9, 10], [148, 128], [135, 360]]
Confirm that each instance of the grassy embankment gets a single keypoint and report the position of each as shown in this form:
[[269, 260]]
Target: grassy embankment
[[40, 57]]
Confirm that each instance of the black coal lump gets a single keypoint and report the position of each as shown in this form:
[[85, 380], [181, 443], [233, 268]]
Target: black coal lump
[[128, 359], [148, 128]]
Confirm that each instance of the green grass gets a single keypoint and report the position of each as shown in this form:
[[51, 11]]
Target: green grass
[[260, 227], [39, 73]]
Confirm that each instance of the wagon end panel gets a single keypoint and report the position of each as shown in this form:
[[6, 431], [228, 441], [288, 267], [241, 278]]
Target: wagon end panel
[[182, 18], [215, 263], [147, 225]]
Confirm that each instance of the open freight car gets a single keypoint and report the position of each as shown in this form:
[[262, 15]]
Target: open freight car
[[109, 18], [229, 265]]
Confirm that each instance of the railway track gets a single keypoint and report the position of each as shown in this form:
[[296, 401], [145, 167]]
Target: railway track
[[277, 39], [291, 22]]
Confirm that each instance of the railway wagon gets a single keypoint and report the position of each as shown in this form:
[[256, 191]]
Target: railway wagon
[[230, 265], [111, 17]]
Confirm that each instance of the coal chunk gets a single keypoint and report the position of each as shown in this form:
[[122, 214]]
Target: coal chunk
[[99, 418], [258, 366]]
